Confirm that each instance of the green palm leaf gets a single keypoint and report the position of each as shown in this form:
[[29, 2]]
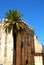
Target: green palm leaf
[[14, 21]]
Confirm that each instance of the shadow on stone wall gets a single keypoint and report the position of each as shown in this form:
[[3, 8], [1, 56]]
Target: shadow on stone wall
[[43, 49], [43, 53]]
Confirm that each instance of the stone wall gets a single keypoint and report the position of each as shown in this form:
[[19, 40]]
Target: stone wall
[[25, 38], [25, 53], [6, 47], [37, 45], [38, 56], [38, 60], [26, 47]]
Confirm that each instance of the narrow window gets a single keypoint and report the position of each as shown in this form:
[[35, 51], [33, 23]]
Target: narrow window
[[26, 62], [21, 44]]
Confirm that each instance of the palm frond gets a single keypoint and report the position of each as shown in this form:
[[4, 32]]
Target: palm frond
[[13, 21]]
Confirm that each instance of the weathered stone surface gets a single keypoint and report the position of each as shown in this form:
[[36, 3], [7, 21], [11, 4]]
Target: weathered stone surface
[[26, 46], [38, 60], [38, 45]]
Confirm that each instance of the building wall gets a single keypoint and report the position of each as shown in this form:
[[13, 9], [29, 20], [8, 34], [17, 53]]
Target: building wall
[[38, 56], [2, 45], [22, 54], [37, 45], [30, 45], [6, 47], [38, 60]]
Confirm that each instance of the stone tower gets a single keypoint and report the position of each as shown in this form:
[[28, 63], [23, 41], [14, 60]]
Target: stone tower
[[25, 47], [24, 53]]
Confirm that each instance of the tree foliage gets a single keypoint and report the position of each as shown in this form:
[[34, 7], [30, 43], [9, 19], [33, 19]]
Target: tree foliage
[[13, 21]]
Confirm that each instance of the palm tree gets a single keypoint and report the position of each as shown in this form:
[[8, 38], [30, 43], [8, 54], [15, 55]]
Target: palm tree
[[14, 23]]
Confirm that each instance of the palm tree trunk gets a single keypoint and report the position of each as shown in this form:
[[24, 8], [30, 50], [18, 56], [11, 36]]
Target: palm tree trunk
[[14, 48]]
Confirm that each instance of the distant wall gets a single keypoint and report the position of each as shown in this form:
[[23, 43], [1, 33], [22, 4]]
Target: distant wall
[[37, 45], [38, 56], [38, 60]]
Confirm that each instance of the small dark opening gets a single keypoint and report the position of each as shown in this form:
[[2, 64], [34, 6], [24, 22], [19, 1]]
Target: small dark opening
[[21, 44], [28, 44], [26, 61]]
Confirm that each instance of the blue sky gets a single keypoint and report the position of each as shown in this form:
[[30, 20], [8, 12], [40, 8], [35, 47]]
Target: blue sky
[[33, 13]]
